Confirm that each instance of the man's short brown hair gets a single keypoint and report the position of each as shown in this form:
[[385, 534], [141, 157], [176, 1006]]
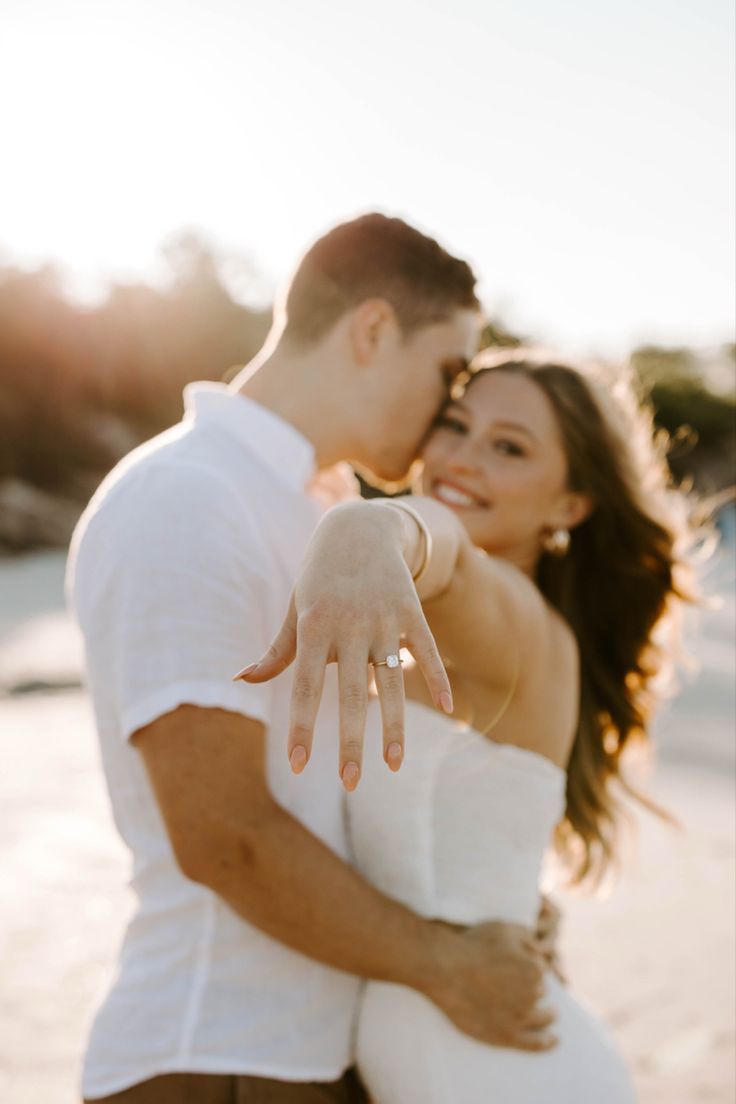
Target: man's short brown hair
[[375, 257]]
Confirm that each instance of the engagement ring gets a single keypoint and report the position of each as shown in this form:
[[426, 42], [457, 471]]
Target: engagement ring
[[389, 661]]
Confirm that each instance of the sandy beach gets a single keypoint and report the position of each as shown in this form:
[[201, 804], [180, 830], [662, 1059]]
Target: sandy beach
[[655, 957]]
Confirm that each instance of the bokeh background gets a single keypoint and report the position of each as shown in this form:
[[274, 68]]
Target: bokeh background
[[164, 163]]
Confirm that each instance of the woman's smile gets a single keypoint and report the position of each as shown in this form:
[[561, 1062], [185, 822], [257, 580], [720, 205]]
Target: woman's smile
[[457, 497]]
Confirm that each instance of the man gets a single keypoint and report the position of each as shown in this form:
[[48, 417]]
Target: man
[[239, 974]]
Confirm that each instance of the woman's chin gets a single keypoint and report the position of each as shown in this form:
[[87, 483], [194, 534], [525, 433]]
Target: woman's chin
[[480, 534]]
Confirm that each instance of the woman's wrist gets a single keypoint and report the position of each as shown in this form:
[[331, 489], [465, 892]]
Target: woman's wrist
[[426, 534], [416, 540], [444, 537], [361, 522]]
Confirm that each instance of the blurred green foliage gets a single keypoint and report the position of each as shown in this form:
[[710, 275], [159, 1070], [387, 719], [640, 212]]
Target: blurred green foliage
[[698, 413]]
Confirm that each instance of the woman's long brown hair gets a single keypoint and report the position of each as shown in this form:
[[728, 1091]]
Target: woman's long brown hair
[[618, 587]]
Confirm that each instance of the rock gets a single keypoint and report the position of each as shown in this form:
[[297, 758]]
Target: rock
[[32, 518]]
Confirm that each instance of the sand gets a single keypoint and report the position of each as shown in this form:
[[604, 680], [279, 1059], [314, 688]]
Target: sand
[[655, 958]]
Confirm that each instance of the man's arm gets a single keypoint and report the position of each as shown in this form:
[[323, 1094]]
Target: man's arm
[[207, 767]]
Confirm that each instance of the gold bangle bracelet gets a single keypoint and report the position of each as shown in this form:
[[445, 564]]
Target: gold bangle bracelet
[[398, 504]]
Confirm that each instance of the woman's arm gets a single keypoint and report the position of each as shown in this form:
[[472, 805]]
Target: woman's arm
[[480, 609]]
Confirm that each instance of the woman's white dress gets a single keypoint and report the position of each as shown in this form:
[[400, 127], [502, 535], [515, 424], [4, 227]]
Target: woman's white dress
[[459, 834]]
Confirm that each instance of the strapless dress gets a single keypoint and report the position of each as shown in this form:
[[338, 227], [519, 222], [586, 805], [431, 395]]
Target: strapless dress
[[460, 834]]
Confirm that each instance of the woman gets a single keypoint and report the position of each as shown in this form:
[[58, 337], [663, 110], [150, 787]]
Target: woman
[[547, 576]]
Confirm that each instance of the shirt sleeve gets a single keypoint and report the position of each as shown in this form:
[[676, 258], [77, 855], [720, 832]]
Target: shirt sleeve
[[181, 601]]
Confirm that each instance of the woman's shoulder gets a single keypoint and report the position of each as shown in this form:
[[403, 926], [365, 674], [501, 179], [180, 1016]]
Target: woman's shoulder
[[539, 709], [531, 609], [492, 614], [549, 695], [524, 603]]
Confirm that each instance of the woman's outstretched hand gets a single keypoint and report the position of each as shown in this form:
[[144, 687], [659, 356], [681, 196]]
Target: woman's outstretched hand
[[354, 603]]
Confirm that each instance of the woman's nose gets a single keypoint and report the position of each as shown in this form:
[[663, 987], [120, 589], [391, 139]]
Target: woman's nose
[[463, 460]]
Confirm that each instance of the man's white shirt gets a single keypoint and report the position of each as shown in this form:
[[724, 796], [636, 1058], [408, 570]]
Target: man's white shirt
[[179, 574]]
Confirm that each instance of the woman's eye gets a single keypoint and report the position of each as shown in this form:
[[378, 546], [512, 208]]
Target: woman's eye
[[446, 421], [509, 448]]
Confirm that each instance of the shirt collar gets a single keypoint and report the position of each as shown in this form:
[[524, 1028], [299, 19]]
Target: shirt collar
[[276, 443]]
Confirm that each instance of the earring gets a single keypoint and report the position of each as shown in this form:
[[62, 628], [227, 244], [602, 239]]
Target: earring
[[557, 543]]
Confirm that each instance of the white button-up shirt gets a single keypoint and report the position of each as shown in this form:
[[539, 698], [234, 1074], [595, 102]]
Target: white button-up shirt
[[180, 573]]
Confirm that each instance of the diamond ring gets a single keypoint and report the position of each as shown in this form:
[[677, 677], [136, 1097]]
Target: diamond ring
[[389, 661]]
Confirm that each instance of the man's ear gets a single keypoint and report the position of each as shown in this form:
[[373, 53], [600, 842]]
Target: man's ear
[[372, 322]]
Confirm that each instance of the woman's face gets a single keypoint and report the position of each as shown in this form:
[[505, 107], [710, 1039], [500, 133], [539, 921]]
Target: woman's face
[[496, 458]]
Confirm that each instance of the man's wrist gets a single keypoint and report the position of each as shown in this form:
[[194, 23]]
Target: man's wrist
[[430, 968]]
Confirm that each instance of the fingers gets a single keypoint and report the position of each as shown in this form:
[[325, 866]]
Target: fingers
[[534, 1032], [313, 642], [279, 655], [545, 946], [557, 970], [352, 666], [534, 953], [539, 1019], [390, 686], [422, 646], [534, 1041], [547, 935], [306, 694], [548, 921]]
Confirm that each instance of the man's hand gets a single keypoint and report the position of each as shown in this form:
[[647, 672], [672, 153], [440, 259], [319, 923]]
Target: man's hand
[[546, 936], [354, 603], [490, 986]]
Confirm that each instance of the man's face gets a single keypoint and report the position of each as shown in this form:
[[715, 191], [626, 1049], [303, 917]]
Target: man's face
[[415, 380]]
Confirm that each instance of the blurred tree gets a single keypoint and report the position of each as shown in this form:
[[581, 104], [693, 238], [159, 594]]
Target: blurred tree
[[79, 386]]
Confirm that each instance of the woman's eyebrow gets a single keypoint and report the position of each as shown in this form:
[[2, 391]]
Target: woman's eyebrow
[[459, 405], [518, 427], [504, 423]]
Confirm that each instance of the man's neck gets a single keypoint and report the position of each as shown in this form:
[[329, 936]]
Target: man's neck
[[297, 387]]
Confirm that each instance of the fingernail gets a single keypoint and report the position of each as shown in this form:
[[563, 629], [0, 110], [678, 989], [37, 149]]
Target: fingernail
[[446, 701], [350, 776], [298, 758], [244, 672], [394, 755]]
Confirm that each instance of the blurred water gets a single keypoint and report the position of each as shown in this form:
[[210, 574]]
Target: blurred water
[[40, 645]]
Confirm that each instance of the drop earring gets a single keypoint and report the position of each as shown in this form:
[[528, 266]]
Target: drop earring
[[557, 543]]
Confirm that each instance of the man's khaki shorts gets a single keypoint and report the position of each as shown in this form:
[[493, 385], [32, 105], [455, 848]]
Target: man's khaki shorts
[[206, 1088]]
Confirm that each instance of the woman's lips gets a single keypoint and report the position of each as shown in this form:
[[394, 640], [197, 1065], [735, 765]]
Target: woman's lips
[[452, 495]]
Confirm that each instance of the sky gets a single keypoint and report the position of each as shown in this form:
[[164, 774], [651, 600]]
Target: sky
[[580, 153]]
